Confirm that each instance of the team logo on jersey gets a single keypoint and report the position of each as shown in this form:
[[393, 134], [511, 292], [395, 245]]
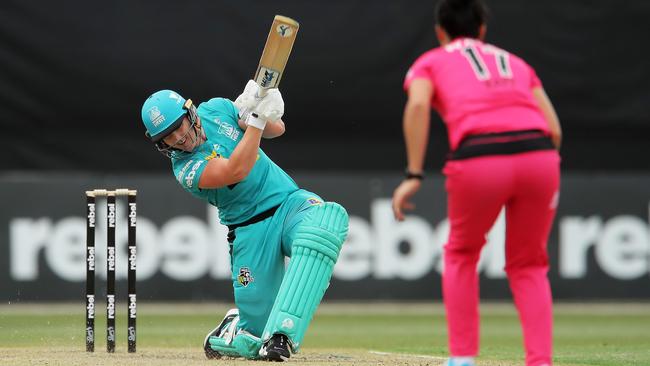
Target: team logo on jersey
[[314, 201], [211, 156], [214, 153], [227, 129], [245, 277], [155, 116]]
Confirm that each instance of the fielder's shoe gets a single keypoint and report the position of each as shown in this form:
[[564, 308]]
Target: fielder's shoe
[[460, 361], [276, 348], [219, 331]]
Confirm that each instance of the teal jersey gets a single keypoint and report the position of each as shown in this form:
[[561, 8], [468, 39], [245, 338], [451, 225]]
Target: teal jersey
[[265, 187]]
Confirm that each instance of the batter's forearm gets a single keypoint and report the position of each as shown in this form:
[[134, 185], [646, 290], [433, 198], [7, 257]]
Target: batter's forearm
[[273, 129]]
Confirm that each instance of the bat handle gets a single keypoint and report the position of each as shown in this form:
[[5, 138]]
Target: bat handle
[[261, 93]]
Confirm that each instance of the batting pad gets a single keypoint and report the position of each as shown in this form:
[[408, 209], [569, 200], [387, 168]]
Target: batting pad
[[314, 252]]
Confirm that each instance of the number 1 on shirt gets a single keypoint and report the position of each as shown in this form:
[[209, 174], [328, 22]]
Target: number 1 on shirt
[[501, 57]]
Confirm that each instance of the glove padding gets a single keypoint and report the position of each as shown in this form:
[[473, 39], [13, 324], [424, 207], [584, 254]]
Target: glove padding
[[249, 98], [271, 107]]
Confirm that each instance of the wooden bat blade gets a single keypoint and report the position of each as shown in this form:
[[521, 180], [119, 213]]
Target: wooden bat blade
[[276, 52]]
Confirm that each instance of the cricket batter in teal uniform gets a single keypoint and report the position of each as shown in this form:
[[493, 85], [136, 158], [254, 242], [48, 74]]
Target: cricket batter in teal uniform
[[215, 155]]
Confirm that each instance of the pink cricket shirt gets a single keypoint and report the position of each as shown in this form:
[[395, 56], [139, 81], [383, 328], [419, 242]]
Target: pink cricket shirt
[[479, 88]]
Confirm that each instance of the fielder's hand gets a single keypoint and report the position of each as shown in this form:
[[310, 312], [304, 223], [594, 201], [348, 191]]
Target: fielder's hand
[[402, 196]]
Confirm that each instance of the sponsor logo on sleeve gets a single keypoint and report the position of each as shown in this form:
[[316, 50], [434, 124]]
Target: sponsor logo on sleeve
[[181, 173], [314, 201], [215, 153], [189, 179]]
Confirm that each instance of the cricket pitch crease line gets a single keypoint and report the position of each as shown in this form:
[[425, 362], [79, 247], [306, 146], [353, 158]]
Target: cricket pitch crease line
[[407, 355]]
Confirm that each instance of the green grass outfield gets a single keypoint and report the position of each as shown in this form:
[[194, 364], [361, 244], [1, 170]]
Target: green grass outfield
[[341, 334]]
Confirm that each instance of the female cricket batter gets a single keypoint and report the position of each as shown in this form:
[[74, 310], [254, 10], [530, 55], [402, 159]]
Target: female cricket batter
[[504, 134], [215, 155]]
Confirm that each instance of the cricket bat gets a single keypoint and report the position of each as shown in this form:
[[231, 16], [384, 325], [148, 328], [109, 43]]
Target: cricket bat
[[276, 52]]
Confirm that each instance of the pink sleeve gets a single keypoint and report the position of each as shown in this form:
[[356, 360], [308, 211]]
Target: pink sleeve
[[421, 69], [534, 79]]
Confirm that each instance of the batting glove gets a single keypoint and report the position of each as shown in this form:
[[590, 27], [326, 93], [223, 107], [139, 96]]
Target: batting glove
[[271, 107], [249, 98]]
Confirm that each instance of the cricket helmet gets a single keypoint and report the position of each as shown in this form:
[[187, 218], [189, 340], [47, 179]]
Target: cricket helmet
[[162, 113]]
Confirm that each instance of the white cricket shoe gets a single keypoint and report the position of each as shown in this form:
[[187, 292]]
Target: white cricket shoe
[[225, 329]]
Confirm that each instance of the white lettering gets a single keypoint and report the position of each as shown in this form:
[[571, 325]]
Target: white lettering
[[218, 246], [132, 215], [354, 262], [150, 255], [622, 249], [404, 248], [181, 173], [90, 258], [111, 215], [577, 234], [187, 248], [26, 239], [90, 307], [110, 334], [132, 306], [66, 248], [189, 180], [91, 214], [185, 245], [132, 258], [440, 237], [111, 259], [110, 306], [90, 334]]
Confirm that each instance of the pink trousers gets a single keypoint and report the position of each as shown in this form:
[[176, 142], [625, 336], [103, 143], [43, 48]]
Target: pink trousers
[[527, 185]]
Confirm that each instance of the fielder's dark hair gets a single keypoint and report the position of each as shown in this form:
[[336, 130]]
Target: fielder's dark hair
[[461, 18]]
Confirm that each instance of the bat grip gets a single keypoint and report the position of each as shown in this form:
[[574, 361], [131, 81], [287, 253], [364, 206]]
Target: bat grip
[[261, 93]]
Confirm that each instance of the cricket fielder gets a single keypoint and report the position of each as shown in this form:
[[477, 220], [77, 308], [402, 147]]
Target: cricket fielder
[[504, 135], [215, 156]]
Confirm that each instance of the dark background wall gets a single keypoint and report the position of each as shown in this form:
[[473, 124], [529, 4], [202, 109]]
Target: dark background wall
[[599, 247], [73, 75]]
